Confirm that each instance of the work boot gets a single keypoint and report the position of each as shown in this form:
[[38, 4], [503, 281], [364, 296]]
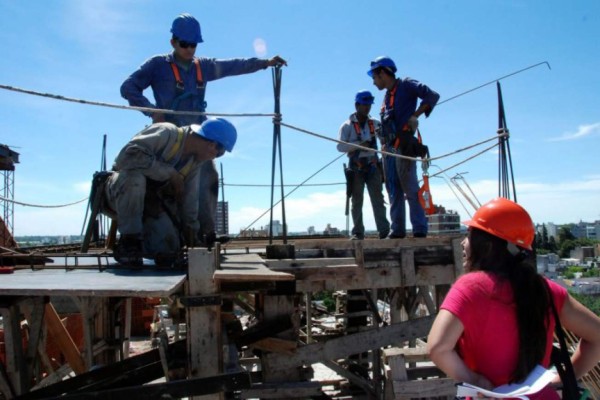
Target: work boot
[[357, 236], [393, 235], [128, 251], [211, 238]]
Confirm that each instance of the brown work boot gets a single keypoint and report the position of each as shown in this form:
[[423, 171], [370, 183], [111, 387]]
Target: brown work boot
[[128, 251]]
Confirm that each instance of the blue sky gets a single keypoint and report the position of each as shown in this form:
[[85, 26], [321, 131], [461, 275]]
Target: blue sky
[[85, 49]]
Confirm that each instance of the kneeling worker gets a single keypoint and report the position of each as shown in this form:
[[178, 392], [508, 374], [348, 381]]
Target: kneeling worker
[[154, 189]]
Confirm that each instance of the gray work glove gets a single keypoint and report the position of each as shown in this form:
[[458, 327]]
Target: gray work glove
[[413, 123]]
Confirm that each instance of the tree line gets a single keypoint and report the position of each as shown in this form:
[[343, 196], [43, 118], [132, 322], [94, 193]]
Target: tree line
[[562, 245]]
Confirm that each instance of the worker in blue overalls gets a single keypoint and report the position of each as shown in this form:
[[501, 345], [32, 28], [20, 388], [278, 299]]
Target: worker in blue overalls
[[178, 81], [399, 122]]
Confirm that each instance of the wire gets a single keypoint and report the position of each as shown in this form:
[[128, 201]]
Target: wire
[[122, 107], [42, 206], [292, 191]]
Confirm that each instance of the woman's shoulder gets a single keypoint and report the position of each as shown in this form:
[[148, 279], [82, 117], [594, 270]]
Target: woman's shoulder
[[479, 278], [558, 292]]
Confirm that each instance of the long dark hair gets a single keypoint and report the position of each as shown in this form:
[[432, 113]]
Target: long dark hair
[[532, 300]]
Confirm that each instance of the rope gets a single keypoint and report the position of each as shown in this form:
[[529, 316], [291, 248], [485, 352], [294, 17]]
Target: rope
[[464, 161], [290, 192], [500, 134], [42, 206], [288, 185], [122, 107]]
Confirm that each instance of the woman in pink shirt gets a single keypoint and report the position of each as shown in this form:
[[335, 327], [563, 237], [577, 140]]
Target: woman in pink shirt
[[496, 324]]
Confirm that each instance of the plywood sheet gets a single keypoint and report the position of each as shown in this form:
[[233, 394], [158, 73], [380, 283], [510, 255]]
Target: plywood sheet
[[91, 282], [248, 268]]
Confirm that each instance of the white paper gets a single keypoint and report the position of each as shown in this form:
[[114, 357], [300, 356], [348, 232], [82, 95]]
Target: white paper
[[538, 379]]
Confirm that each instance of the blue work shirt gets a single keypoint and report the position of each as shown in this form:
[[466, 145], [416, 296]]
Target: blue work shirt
[[157, 73], [406, 92]]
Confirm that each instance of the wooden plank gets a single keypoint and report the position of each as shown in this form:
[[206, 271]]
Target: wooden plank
[[425, 388], [283, 390], [204, 338], [63, 340], [248, 267], [408, 267], [458, 257], [341, 347], [289, 265], [174, 389], [91, 282], [370, 278], [341, 244], [276, 345], [323, 272], [13, 348], [411, 354]]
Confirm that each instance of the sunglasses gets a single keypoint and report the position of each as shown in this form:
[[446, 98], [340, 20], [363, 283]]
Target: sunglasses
[[220, 150], [185, 45]]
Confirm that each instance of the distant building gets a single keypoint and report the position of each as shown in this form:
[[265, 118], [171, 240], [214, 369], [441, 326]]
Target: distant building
[[311, 230], [586, 230], [581, 253], [222, 218], [443, 222], [331, 231], [277, 228], [253, 233]]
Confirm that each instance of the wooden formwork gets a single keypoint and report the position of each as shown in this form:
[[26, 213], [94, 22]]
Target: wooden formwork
[[414, 274]]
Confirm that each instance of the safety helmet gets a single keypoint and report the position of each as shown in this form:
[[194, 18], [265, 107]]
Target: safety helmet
[[505, 219], [382, 62], [186, 28], [364, 97], [217, 130]]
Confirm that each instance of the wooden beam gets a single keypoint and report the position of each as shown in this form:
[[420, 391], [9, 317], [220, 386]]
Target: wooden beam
[[63, 339], [205, 355], [352, 344]]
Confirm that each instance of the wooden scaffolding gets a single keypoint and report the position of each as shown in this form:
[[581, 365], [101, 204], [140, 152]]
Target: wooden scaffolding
[[266, 354]]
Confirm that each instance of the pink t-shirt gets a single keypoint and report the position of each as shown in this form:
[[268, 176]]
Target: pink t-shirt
[[489, 344]]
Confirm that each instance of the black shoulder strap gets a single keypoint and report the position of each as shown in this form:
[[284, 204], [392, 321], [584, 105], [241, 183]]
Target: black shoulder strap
[[561, 358]]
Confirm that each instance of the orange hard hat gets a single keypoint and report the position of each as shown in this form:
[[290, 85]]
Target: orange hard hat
[[505, 219]]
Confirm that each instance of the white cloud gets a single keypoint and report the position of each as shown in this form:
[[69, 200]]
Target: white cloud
[[582, 131]]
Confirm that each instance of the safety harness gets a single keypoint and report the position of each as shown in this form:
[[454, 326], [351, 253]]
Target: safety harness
[[180, 87], [179, 81], [175, 149], [355, 159]]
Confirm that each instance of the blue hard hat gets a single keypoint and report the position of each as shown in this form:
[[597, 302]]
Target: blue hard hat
[[364, 97], [217, 130], [382, 62], [186, 28]]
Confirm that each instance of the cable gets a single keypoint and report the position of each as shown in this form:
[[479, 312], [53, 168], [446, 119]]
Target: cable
[[292, 191], [122, 107], [42, 206]]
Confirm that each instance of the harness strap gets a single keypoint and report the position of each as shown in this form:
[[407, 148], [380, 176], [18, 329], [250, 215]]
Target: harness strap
[[187, 167], [179, 81], [176, 146], [373, 142]]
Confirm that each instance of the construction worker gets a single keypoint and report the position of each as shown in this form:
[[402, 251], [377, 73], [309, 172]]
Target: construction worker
[[178, 81], [497, 322], [154, 189], [399, 121], [363, 166]]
